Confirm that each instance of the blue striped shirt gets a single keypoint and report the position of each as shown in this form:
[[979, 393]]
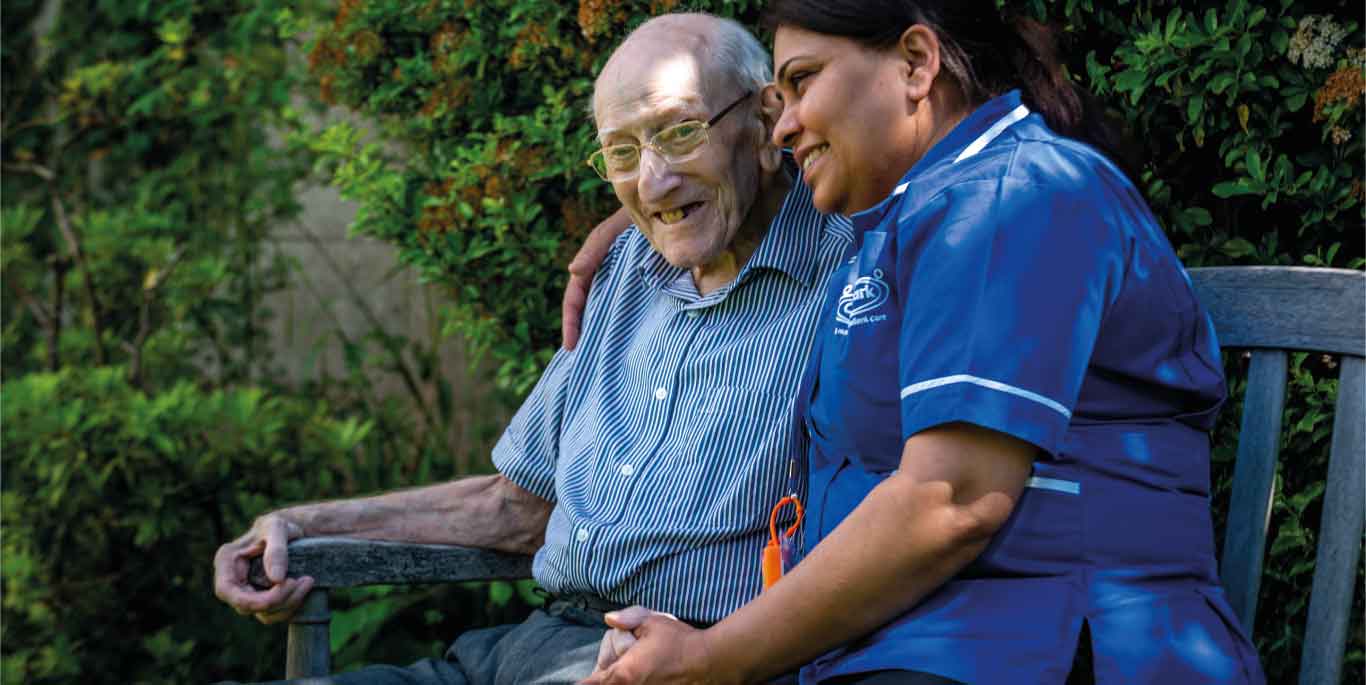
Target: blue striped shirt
[[665, 437]]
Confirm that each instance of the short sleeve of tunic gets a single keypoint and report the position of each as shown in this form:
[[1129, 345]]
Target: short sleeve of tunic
[[1006, 282]]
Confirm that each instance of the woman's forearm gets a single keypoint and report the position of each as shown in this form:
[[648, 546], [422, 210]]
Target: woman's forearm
[[910, 535]]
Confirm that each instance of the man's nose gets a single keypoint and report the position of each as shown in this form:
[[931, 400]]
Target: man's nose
[[657, 178]]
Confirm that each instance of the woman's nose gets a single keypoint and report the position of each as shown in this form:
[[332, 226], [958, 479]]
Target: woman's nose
[[785, 132]]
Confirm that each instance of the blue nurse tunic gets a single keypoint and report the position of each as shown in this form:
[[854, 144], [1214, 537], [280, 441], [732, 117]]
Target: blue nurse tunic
[[1016, 280]]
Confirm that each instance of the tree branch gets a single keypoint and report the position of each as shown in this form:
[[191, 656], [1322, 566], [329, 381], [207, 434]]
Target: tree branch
[[149, 290], [400, 364], [74, 246]]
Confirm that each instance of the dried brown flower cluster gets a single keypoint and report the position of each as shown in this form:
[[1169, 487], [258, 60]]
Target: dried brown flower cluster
[[530, 41], [445, 96], [577, 220], [597, 17], [438, 217]]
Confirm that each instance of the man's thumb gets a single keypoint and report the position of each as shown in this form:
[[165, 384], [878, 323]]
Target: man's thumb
[[628, 619]]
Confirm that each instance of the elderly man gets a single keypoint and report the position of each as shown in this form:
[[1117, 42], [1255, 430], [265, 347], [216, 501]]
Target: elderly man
[[642, 467]]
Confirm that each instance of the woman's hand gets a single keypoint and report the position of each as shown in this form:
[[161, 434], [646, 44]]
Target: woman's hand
[[659, 649], [585, 263]]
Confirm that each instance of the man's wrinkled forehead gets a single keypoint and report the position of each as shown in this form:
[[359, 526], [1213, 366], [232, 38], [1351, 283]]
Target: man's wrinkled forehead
[[648, 73]]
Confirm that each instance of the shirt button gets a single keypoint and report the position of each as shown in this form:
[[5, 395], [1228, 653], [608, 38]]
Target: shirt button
[[627, 470], [661, 393], [582, 535], [693, 314]]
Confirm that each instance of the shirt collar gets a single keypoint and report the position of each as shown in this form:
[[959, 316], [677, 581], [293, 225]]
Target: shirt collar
[[789, 247], [966, 139]]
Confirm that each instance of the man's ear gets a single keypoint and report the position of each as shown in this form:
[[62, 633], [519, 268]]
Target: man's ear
[[918, 48], [770, 110]]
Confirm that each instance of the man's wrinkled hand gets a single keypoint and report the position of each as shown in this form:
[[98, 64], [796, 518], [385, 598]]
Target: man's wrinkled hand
[[664, 650], [619, 637], [268, 538]]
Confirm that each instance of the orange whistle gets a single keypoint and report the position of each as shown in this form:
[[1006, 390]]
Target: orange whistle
[[772, 564]]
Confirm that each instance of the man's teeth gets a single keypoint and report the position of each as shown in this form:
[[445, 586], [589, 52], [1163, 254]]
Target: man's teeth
[[672, 216], [815, 155]]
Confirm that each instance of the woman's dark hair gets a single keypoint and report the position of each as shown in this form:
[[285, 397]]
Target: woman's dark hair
[[985, 52]]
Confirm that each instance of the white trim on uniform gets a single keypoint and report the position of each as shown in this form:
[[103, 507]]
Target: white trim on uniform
[[1070, 487], [990, 134], [985, 383]]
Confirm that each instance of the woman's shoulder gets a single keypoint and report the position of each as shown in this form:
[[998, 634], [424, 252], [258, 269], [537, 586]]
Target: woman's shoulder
[[1058, 164]]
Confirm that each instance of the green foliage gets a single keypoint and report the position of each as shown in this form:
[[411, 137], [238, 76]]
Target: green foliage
[[141, 424], [114, 501], [1248, 118]]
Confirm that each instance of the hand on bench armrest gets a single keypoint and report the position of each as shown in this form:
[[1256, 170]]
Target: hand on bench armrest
[[350, 562]]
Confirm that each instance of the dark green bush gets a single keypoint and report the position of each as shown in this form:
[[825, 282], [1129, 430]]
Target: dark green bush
[[1247, 116], [142, 424]]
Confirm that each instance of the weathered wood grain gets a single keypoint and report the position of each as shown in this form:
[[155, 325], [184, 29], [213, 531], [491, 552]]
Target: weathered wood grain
[[348, 562], [1340, 531], [1254, 474], [1294, 308], [308, 653]]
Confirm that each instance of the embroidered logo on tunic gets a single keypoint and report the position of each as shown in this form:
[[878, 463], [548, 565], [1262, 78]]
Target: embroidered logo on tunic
[[863, 295]]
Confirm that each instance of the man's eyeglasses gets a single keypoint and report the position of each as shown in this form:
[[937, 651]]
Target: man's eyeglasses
[[676, 144]]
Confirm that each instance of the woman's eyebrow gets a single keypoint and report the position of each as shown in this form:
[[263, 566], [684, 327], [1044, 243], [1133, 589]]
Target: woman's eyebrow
[[782, 71]]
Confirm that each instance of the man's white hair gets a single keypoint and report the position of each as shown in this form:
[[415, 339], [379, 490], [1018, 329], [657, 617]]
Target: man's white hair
[[734, 53], [737, 54]]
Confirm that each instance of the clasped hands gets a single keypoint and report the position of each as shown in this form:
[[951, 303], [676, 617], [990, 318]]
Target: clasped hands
[[644, 646]]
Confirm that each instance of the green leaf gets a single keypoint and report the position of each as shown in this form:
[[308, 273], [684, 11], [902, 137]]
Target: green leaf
[[1194, 107], [1198, 216], [1280, 42], [1130, 80], [500, 592], [1237, 247], [1221, 82], [1227, 189], [1254, 165]]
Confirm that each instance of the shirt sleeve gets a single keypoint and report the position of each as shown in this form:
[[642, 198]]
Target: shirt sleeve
[[529, 449], [1006, 283]]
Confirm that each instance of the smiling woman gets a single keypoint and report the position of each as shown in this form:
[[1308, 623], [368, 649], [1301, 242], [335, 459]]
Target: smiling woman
[[988, 400]]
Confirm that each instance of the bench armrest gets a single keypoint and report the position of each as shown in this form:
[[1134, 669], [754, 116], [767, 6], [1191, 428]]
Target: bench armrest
[[350, 562]]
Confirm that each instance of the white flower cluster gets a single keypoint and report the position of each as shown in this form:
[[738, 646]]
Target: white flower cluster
[[1315, 41]]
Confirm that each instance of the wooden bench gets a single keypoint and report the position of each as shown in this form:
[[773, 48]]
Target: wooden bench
[[1269, 311]]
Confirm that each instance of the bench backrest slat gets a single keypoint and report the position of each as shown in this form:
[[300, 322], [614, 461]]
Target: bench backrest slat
[[1254, 474], [1344, 514], [1285, 307], [1272, 310]]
